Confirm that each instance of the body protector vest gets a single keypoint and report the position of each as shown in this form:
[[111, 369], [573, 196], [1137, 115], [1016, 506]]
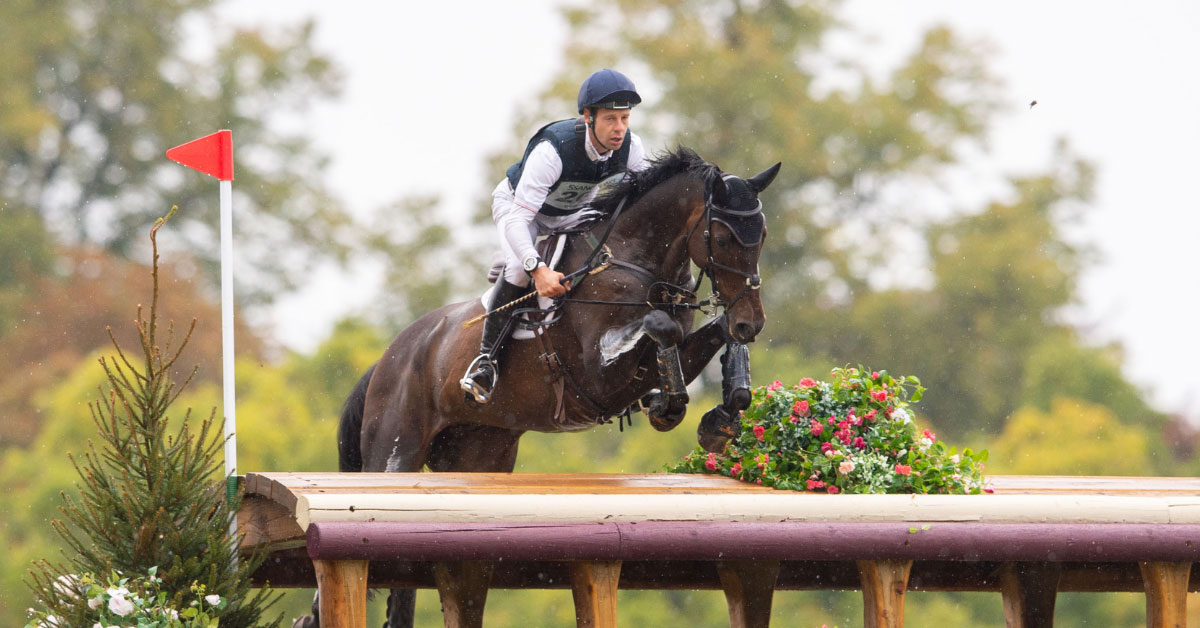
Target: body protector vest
[[579, 174]]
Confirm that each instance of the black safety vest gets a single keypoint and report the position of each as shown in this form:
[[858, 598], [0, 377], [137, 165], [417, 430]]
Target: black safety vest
[[579, 174]]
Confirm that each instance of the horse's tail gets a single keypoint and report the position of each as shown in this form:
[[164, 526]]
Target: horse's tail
[[350, 427]]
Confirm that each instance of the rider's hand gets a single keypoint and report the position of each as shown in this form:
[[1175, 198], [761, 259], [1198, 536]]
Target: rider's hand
[[547, 281]]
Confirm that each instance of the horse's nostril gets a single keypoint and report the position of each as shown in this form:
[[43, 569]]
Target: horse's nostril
[[743, 331]]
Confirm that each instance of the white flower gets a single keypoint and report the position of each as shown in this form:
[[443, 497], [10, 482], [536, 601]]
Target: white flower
[[213, 599], [121, 592], [846, 467], [171, 613], [51, 620], [95, 602], [901, 415], [67, 585], [954, 458], [926, 443], [120, 605]]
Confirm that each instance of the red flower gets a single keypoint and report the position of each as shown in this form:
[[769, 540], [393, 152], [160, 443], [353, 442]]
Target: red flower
[[794, 419], [833, 490], [737, 469], [860, 443], [874, 374], [843, 425], [879, 395], [929, 435], [833, 420], [807, 382], [800, 408], [759, 431], [775, 385], [903, 469], [870, 415], [826, 446], [711, 463], [815, 428], [814, 484]]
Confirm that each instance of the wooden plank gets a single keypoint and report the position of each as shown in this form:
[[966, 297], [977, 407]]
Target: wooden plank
[[884, 583], [773, 506], [594, 588], [267, 523], [1029, 591], [711, 540], [749, 586], [1166, 593], [463, 587], [343, 588]]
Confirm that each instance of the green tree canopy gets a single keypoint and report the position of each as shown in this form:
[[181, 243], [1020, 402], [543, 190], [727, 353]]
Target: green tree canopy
[[96, 92]]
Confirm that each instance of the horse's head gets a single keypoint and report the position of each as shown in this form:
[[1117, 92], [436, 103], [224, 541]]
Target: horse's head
[[726, 246]]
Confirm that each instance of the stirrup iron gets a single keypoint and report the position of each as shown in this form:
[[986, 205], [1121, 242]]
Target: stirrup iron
[[480, 394]]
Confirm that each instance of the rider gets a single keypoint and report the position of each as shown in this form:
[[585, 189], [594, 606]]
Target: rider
[[555, 179]]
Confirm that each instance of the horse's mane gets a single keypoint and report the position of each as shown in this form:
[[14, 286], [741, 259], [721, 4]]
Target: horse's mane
[[663, 166]]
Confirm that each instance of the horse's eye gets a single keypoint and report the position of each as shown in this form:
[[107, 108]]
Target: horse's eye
[[721, 240]]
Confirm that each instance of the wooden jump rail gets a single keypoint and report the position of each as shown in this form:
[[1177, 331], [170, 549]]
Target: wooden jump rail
[[465, 533]]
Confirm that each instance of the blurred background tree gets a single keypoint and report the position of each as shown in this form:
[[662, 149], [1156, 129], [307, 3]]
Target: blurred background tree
[[869, 259]]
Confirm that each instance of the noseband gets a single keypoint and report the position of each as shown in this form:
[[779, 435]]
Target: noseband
[[713, 213]]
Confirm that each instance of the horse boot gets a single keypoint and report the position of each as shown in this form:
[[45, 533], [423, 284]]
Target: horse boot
[[721, 424], [667, 407], [483, 373]]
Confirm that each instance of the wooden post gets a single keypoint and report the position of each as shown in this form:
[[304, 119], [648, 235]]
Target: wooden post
[[1029, 591], [343, 588], [749, 586], [594, 587], [883, 585], [463, 587], [1166, 593]]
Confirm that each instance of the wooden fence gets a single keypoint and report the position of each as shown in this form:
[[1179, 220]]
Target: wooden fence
[[465, 533]]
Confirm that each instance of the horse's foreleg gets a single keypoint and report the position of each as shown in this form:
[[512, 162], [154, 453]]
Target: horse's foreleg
[[720, 423], [668, 406]]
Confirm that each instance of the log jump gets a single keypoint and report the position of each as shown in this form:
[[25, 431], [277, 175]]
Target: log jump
[[465, 533]]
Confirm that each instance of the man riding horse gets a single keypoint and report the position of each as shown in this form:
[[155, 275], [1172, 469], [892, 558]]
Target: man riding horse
[[555, 179]]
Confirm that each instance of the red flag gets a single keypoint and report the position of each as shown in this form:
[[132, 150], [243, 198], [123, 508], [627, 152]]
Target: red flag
[[211, 154]]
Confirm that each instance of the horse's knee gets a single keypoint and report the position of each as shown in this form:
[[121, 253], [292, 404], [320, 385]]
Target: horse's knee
[[662, 328]]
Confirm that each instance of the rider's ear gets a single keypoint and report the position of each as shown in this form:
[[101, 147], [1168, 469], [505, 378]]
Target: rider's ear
[[760, 181]]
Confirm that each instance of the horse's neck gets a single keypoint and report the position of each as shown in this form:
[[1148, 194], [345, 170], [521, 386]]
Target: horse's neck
[[653, 232]]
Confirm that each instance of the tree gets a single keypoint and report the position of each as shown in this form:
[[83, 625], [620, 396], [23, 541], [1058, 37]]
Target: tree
[[1033, 442], [96, 91], [150, 497]]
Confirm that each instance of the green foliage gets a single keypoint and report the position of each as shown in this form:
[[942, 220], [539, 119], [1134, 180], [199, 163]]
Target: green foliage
[[1032, 442], [95, 91], [150, 496], [139, 601], [854, 434]]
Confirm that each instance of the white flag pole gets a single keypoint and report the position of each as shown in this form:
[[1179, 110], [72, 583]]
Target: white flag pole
[[227, 367]]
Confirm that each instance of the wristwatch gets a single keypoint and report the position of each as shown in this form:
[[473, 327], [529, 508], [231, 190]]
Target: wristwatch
[[531, 263]]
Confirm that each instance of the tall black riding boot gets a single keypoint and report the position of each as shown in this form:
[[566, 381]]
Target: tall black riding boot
[[481, 375]]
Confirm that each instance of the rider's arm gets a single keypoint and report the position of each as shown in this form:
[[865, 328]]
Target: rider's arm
[[542, 169]]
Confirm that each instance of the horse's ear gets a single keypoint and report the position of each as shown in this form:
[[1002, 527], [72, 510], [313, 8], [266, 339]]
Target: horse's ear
[[760, 181], [720, 192]]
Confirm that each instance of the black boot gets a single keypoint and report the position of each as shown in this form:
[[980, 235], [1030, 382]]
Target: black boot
[[480, 379]]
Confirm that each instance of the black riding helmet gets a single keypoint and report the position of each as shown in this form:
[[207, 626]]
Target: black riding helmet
[[607, 89]]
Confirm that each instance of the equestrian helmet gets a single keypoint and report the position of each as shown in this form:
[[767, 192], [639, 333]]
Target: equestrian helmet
[[608, 89]]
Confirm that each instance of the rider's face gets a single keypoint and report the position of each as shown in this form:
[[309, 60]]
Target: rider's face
[[609, 128]]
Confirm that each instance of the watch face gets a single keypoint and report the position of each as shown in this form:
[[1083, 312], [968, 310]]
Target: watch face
[[531, 264]]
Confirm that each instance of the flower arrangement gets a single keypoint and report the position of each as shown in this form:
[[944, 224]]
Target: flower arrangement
[[854, 434], [123, 601]]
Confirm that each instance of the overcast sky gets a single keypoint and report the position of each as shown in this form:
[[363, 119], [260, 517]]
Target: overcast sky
[[432, 87]]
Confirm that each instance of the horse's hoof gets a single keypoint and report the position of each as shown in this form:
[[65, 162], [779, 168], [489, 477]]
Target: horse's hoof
[[666, 410], [739, 399], [717, 428]]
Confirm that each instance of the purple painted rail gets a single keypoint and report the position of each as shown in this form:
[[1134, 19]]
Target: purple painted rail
[[673, 540]]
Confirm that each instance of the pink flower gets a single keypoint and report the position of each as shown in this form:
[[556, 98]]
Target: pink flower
[[826, 447], [846, 467], [870, 415], [874, 374], [807, 382], [989, 488], [800, 408], [860, 443], [833, 420], [737, 469], [815, 484], [775, 385], [759, 431], [929, 435], [815, 428], [833, 490], [711, 463], [879, 395], [794, 419], [843, 425], [903, 469]]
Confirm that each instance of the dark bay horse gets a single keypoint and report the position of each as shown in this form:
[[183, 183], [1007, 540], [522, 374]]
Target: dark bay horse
[[623, 333]]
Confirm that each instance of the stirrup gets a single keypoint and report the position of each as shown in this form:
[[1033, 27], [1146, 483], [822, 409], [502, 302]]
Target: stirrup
[[473, 388]]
